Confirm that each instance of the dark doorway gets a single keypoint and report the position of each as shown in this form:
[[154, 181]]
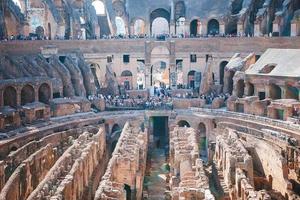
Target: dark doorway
[[262, 95], [160, 132], [194, 27], [128, 191]]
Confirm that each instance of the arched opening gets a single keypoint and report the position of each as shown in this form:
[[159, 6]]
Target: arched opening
[[213, 27], [160, 26], [180, 26], [44, 93], [114, 136], [128, 191], [231, 27], [160, 75], [140, 76], [126, 79], [240, 85], [139, 27], [120, 24], [159, 20], [13, 148], [99, 7], [49, 31], [250, 89], [194, 27], [222, 71], [202, 140], [115, 128], [191, 79], [275, 91], [292, 93], [40, 32], [10, 96], [183, 123], [179, 74], [27, 95]]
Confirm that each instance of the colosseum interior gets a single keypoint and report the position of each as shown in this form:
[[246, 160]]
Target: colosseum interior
[[149, 99]]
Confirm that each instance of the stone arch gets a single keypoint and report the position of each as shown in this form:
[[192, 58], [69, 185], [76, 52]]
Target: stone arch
[[222, 71], [10, 96], [180, 26], [115, 128], [231, 27], [44, 93], [126, 79], [213, 27], [292, 92], [120, 26], [191, 79], [183, 123], [140, 77], [195, 27], [275, 91], [139, 27], [250, 89], [114, 136], [99, 7], [240, 86], [202, 139], [159, 21], [27, 94], [159, 74]]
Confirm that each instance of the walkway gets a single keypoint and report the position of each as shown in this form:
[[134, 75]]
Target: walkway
[[155, 179]]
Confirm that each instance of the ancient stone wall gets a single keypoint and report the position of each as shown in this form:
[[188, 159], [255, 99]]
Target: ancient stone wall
[[127, 165], [28, 174], [188, 179], [69, 177]]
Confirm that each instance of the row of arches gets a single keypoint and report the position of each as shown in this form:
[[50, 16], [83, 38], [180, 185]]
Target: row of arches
[[275, 91], [10, 95], [158, 78]]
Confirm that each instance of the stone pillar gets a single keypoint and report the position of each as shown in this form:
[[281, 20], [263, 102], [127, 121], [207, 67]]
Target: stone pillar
[[222, 28], [199, 27], [131, 31], [240, 28], [172, 28], [19, 96], [36, 93], [295, 28], [147, 64], [61, 31], [172, 59], [187, 28], [257, 31], [203, 28]]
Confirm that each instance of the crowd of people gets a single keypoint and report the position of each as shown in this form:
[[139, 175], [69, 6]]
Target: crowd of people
[[33, 36], [211, 96]]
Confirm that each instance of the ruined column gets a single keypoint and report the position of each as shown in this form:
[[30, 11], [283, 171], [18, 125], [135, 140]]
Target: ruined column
[[257, 30], [222, 28], [295, 27]]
